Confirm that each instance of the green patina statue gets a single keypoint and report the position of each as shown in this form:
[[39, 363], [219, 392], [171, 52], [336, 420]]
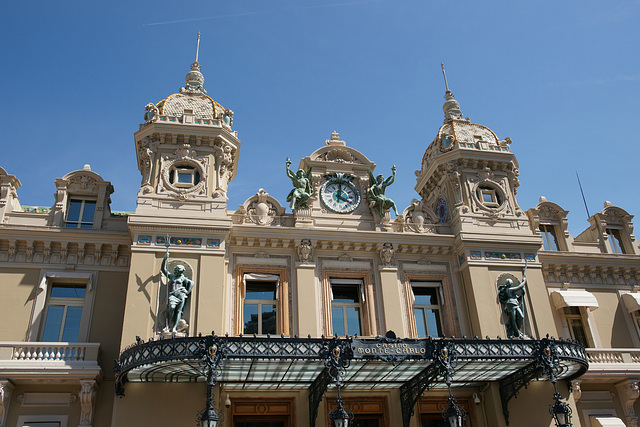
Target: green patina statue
[[180, 287], [302, 192], [512, 299], [378, 201]]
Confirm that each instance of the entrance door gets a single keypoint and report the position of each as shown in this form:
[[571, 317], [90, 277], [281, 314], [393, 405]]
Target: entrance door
[[432, 420], [261, 421], [367, 421]]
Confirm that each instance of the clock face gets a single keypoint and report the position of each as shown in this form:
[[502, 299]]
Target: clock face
[[340, 196]]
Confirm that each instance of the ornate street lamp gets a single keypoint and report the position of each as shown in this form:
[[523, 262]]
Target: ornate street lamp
[[561, 411], [454, 415], [209, 417], [340, 417], [548, 360], [337, 363]]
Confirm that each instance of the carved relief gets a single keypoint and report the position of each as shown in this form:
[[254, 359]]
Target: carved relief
[[261, 209], [87, 397], [387, 253], [187, 157], [305, 251], [6, 388], [418, 218], [628, 392]]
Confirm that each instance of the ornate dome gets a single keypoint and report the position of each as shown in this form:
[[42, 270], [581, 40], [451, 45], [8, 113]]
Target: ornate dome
[[192, 99]]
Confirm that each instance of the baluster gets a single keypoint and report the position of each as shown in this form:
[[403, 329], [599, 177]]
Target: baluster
[[40, 353], [58, 355]]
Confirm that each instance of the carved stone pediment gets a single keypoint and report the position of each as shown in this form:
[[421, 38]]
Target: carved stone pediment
[[419, 218], [261, 209]]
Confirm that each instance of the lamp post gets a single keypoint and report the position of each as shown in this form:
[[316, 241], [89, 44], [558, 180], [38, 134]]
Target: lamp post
[[561, 411], [209, 417], [548, 359], [336, 364], [453, 414]]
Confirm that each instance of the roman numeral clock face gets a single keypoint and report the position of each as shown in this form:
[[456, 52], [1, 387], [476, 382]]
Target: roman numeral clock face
[[340, 195]]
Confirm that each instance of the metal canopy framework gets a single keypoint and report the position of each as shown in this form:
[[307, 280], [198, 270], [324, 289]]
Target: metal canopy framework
[[411, 365]]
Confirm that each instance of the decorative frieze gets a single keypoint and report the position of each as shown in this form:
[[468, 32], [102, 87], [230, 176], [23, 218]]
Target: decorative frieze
[[67, 253]]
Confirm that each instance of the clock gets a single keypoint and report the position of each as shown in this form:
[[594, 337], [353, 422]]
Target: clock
[[339, 194]]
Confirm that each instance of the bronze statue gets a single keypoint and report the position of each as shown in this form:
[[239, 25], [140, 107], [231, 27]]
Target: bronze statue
[[300, 195], [512, 299], [378, 201], [180, 287]]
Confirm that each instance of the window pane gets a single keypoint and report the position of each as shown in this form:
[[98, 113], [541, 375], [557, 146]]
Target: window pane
[[353, 320], [250, 318], [184, 178], [345, 293], [615, 241], [420, 323], [433, 320], [88, 211], [68, 291], [337, 318], [73, 214], [261, 291], [425, 296], [72, 324], [53, 323], [268, 319], [577, 331], [487, 197]]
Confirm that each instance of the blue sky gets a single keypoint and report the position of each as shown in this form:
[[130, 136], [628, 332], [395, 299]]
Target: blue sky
[[562, 79]]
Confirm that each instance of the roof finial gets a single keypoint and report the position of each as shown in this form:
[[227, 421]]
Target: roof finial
[[446, 85], [451, 107], [198, 47]]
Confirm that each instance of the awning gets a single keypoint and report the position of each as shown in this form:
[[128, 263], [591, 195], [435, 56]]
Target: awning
[[410, 365], [607, 422], [574, 298], [632, 301]]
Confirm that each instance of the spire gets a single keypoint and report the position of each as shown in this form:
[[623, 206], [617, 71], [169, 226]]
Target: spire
[[194, 79], [451, 107]]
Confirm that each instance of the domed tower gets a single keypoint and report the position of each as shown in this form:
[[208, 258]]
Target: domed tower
[[187, 154], [469, 176]]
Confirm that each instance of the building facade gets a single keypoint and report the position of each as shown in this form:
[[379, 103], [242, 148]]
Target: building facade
[[270, 317]]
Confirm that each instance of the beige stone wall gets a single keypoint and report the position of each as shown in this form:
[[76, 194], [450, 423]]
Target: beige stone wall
[[20, 286]]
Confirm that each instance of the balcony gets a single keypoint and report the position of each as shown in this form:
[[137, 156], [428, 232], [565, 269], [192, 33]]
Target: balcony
[[30, 362], [612, 363]]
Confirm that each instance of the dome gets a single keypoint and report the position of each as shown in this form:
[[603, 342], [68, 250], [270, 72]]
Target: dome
[[199, 104], [192, 99]]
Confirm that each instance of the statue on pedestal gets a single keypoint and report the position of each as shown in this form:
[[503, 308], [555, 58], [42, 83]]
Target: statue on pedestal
[[179, 289], [512, 298]]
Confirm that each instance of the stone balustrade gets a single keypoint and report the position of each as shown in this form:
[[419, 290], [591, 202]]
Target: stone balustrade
[[49, 351], [613, 356]]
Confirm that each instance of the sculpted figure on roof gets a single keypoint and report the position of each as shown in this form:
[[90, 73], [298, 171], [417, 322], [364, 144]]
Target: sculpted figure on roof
[[378, 201], [302, 192]]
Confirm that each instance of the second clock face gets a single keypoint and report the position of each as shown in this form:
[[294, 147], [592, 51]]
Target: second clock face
[[340, 197]]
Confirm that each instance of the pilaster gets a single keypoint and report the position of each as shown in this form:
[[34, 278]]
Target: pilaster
[[308, 297]]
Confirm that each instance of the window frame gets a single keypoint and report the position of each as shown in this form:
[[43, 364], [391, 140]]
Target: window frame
[[547, 230], [66, 303], [368, 318], [284, 298], [358, 284], [39, 310], [275, 281], [448, 308], [62, 419], [615, 234], [79, 223], [588, 325], [439, 296]]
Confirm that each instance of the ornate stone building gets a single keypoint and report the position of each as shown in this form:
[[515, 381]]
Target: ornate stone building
[[333, 309]]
